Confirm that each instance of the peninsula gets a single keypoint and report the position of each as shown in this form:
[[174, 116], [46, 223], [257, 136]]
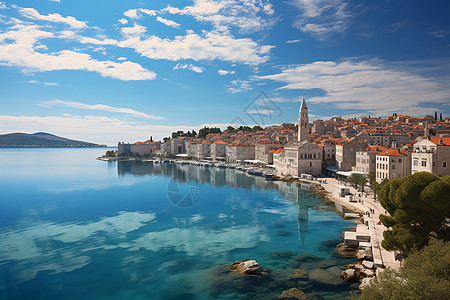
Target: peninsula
[[40, 140]]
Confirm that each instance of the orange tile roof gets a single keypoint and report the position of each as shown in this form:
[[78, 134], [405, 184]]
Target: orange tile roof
[[281, 150], [437, 140], [393, 152]]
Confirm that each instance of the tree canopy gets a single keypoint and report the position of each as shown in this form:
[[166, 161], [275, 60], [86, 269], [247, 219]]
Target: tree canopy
[[418, 206], [425, 275]]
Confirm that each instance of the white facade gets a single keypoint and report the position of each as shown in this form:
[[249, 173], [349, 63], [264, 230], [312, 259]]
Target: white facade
[[392, 164]]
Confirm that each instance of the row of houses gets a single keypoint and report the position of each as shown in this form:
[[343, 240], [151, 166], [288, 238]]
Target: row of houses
[[295, 149]]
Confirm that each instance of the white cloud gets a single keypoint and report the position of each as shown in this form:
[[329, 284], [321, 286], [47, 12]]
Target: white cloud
[[102, 107], [239, 85], [42, 83], [32, 13], [320, 18], [134, 30], [208, 46], [121, 58], [3, 5], [293, 41], [369, 85], [22, 54], [59, 1], [135, 13], [191, 67], [247, 15], [225, 72], [123, 21], [168, 22]]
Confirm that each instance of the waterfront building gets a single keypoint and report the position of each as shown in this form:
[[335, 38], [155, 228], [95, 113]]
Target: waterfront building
[[264, 150], [301, 156], [366, 159], [138, 149], [238, 152], [432, 156], [218, 149], [392, 164]]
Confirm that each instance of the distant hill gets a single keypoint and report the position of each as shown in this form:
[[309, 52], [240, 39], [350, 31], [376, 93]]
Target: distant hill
[[39, 140]]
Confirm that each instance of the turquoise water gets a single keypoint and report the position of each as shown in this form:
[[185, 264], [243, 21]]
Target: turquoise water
[[72, 227]]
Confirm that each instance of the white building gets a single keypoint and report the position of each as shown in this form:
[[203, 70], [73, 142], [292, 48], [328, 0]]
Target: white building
[[392, 164], [431, 156]]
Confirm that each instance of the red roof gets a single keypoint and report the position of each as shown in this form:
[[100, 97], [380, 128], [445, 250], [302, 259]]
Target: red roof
[[440, 140], [393, 152], [281, 150]]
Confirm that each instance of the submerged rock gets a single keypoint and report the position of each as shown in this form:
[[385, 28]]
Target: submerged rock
[[293, 293], [326, 278], [300, 275], [305, 261], [278, 255], [325, 264], [346, 251]]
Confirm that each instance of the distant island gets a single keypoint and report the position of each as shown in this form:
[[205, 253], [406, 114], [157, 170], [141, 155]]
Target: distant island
[[40, 140]]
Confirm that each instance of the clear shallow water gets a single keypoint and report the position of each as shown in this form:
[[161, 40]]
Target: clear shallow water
[[72, 227]]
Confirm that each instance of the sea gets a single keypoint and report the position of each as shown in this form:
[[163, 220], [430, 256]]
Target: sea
[[73, 227]]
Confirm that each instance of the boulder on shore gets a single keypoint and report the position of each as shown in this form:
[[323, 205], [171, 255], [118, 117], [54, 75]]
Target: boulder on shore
[[365, 282], [367, 273], [249, 267], [368, 264], [293, 293], [364, 254], [350, 275]]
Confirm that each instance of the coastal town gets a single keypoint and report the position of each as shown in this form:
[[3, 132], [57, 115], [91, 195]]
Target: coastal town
[[349, 159], [389, 148]]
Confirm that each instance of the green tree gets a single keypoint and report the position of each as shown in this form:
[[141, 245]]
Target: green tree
[[354, 179], [230, 128], [425, 275], [374, 185], [362, 181], [257, 128], [418, 205], [110, 153]]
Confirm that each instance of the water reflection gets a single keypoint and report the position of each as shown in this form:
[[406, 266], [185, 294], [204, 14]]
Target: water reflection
[[293, 192]]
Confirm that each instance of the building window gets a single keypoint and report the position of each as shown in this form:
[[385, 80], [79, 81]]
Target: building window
[[399, 160], [415, 162], [444, 164], [314, 155], [393, 167], [310, 164], [424, 163]]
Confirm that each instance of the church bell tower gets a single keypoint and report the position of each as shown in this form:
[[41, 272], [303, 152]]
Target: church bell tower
[[303, 122]]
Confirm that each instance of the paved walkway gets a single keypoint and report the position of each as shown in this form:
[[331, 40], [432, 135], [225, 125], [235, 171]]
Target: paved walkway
[[371, 210]]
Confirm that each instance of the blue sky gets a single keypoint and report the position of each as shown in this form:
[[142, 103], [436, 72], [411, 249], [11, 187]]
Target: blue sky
[[108, 71]]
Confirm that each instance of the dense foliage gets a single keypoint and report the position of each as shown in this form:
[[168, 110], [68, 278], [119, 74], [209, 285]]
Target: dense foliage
[[418, 206], [110, 153], [202, 133], [425, 275]]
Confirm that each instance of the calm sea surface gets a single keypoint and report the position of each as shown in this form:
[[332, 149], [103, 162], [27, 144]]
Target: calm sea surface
[[72, 227]]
